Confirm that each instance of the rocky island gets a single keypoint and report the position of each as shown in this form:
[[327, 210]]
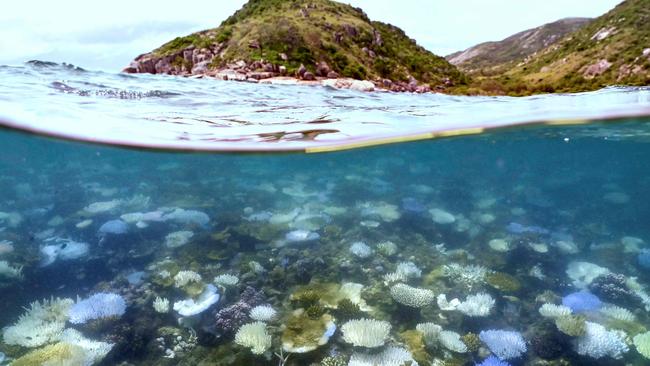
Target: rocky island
[[330, 43], [304, 41]]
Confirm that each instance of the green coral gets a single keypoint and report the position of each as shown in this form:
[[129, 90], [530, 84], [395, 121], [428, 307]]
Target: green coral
[[302, 333], [572, 325], [414, 341], [315, 311], [503, 282], [347, 310], [333, 361], [54, 354], [472, 341]]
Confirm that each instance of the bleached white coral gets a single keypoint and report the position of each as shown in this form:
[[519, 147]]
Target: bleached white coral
[[583, 273], [642, 344], [263, 313], [554, 311], [42, 323], [446, 305], [411, 296], [451, 341], [408, 270], [9, 271], [391, 356], [390, 278], [94, 351], [618, 312], [161, 305], [226, 280], [183, 278], [387, 248], [190, 307], [503, 343], [360, 249], [178, 238], [477, 305], [598, 342], [430, 332], [366, 332], [254, 336], [469, 276]]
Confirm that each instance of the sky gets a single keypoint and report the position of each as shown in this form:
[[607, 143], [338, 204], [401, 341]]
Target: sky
[[107, 35]]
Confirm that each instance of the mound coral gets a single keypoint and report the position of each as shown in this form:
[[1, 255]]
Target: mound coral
[[582, 301], [191, 307], [302, 334], [366, 332]]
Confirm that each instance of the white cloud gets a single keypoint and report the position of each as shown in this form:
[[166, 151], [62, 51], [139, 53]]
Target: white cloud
[[108, 34]]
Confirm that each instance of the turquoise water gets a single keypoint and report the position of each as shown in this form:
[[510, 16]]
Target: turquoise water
[[452, 246]]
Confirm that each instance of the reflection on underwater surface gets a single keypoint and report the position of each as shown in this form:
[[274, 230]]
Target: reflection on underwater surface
[[523, 248]]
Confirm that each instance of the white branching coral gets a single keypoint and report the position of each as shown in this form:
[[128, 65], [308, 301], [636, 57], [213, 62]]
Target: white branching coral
[[477, 305], [42, 323], [9, 271], [161, 305], [583, 273], [468, 276], [392, 277], [366, 332], [451, 341], [94, 351], [391, 356], [445, 304], [408, 270], [430, 332], [642, 344], [503, 343], [554, 311], [254, 336], [263, 313], [226, 280], [618, 313], [183, 278], [411, 296], [360, 249], [599, 342]]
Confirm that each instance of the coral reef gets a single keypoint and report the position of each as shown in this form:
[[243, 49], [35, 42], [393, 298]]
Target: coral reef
[[367, 333]]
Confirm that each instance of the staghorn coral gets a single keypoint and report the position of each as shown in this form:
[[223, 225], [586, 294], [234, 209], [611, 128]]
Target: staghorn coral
[[391, 356], [572, 325], [42, 323], [554, 311], [477, 305], [451, 341], [642, 344], [263, 313]]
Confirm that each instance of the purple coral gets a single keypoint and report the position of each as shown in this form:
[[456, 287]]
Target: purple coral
[[504, 344], [230, 318], [493, 361], [582, 301]]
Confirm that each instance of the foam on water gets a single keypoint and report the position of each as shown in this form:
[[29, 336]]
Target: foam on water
[[153, 111]]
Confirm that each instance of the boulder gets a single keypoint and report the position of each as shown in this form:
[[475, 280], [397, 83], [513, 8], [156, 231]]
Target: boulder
[[301, 71], [322, 69], [307, 75], [332, 75], [282, 70], [200, 68], [596, 69]]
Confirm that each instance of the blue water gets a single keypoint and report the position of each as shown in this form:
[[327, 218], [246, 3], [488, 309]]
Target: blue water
[[523, 217]]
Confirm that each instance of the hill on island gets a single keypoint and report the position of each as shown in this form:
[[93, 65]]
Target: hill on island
[[307, 39], [494, 57], [613, 49]]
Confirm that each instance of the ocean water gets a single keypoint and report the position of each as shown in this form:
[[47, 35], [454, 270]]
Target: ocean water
[[520, 246]]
